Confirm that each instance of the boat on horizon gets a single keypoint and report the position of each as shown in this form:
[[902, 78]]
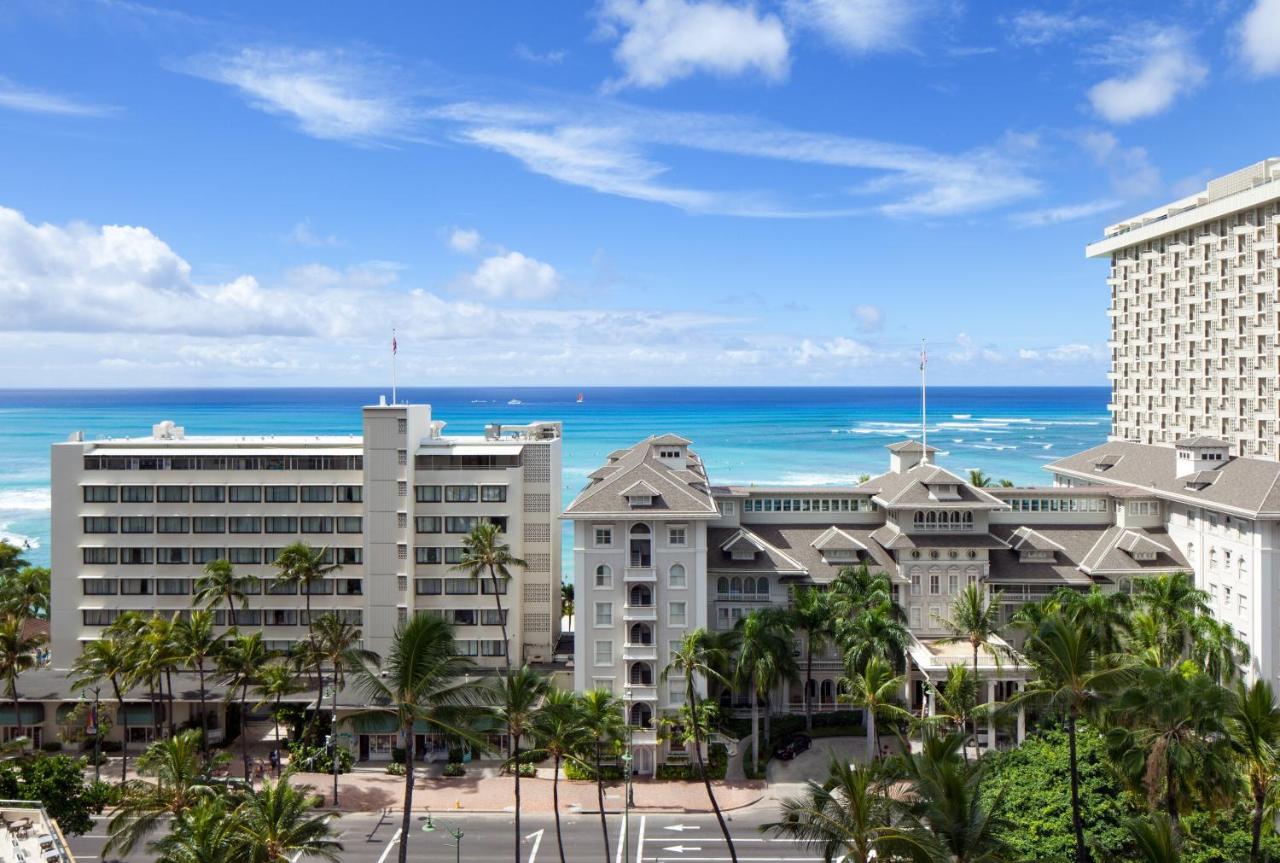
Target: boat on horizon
[[515, 402], [580, 397]]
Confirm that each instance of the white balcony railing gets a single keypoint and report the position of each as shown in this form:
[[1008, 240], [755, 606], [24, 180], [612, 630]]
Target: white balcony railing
[[639, 692], [640, 573], [639, 612], [639, 651]]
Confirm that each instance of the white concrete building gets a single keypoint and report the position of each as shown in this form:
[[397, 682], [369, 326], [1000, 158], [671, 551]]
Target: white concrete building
[[136, 519]]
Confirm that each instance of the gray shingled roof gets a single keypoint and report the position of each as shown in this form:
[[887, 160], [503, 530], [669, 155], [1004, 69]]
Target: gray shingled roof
[[670, 440], [910, 488], [895, 540], [788, 545], [1027, 537], [909, 446], [677, 492], [1201, 442], [1249, 486], [1108, 556]]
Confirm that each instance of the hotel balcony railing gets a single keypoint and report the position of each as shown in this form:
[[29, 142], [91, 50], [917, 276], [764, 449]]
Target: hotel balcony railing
[[639, 651], [924, 527], [639, 692], [640, 573], [739, 596], [644, 737], [639, 612]]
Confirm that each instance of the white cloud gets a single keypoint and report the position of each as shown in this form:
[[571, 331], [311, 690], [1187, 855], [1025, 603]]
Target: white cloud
[[1259, 35], [1159, 65], [1035, 27], [327, 93], [1074, 353], [464, 240], [18, 98], [1065, 213], [303, 235], [967, 351], [859, 26], [515, 276], [869, 318], [1130, 169], [661, 41], [848, 351], [545, 58]]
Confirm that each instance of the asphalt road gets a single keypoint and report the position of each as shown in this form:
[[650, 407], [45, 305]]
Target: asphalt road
[[488, 838]]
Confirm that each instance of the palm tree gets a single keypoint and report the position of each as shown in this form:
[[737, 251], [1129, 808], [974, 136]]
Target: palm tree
[[107, 659], [275, 682], [763, 660], [1156, 840], [877, 631], [516, 699], [1217, 650], [1254, 726], [17, 654], [700, 655], [1072, 677], [978, 479], [178, 779], [566, 602], [811, 613], [130, 628], [221, 584], [195, 642], [26, 592], [206, 833], [1174, 603], [560, 730], [850, 817], [1170, 739], [483, 553], [975, 620], [276, 824], [423, 680], [875, 689], [602, 716], [955, 704], [160, 644], [301, 566], [340, 644], [241, 663]]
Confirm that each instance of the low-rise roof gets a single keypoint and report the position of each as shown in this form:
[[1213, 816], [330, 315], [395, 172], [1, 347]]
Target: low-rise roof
[[910, 488], [1201, 442], [790, 551], [680, 493], [670, 439], [910, 446]]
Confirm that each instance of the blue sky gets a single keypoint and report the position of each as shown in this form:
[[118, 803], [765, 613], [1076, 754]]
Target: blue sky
[[618, 192]]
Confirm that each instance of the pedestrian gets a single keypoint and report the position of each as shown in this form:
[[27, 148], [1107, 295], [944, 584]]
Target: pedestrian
[[275, 762]]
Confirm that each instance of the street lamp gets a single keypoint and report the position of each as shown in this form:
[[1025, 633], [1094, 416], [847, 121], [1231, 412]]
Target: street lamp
[[95, 729], [334, 729], [627, 801], [455, 832]]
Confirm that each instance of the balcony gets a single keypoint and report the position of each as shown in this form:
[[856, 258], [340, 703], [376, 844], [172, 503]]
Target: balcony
[[644, 737], [639, 693], [639, 612], [639, 651], [640, 573]]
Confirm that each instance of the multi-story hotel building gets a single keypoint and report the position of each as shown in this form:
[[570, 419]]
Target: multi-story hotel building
[[135, 520]]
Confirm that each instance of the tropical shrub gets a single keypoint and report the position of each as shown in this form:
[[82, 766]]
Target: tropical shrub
[[717, 762], [453, 769], [317, 759]]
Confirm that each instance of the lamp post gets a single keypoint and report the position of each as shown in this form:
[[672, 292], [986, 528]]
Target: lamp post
[[627, 801], [334, 730], [455, 832], [94, 728]]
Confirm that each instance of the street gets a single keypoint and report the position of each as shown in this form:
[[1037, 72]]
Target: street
[[487, 838]]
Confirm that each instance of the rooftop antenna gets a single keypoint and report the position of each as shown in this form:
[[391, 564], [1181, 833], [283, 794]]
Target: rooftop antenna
[[393, 365], [924, 427]]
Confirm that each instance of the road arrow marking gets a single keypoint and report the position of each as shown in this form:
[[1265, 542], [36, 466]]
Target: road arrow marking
[[391, 844], [680, 849], [682, 827], [536, 836]]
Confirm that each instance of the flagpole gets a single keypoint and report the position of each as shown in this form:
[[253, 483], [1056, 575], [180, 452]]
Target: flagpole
[[924, 424], [393, 365]]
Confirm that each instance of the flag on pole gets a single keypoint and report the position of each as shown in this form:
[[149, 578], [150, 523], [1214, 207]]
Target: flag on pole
[[393, 343], [924, 356]]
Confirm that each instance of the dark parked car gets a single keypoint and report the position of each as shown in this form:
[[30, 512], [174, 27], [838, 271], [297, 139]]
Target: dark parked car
[[792, 746]]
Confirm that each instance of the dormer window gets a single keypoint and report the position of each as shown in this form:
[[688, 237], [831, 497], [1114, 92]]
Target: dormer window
[[640, 494], [743, 553], [840, 555], [669, 453]]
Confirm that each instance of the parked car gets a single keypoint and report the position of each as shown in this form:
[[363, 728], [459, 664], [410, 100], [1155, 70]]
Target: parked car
[[792, 746]]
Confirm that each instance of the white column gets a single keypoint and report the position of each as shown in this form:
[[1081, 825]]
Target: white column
[[991, 716], [1022, 723]]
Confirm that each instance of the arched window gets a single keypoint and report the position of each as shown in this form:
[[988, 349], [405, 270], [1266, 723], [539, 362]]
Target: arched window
[[641, 595], [918, 519], [676, 576], [1240, 568], [1213, 558], [826, 693], [641, 633], [931, 519], [735, 586], [762, 586], [641, 715], [604, 575], [955, 518], [722, 585], [641, 674], [968, 519], [641, 546], [640, 530]]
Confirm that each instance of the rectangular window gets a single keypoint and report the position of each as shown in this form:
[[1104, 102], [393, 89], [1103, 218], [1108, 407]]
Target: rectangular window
[[604, 537], [493, 647], [349, 586], [99, 586], [135, 524], [467, 647], [915, 584], [602, 683], [99, 494], [676, 615], [317, 524], [244, 555], [208, 494], [460, 586], [402, 488], [99, 524], [490, 617], [173, 586], [727, 507], [604, 652], [459, 523], [136, 556], [99, 616], [915, 617], [317, 493], [135, 494], [244, 494], [173, 493], [604, 614], [461, 494], [135, 586], [349, 494], [349, 524], [428, 586], [934, 584], [244, 524], [431, 554], [208, 524], [205, 555], [281, 494], [427, 493], [172, 555], [454, 554], [172, 524], [486, 587], [280, 524], [464, 617], [348, 556], [428, 524], [676, 535], [493, 493]]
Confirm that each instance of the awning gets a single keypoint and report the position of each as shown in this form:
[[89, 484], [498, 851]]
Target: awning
[[140, 714], [31, 714]]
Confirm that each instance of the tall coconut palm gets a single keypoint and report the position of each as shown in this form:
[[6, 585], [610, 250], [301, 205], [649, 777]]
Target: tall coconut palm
[[275, 682], [1217, 650], [107, 659], [810, 612], [422, 681], [763, 660], [515, 700], [178, 778], [878, 630], [955, 705], [206, 833], [1254, 726], [978, 479], [560, 733], [160, 644], [130, 628], [240, 664], [875, 690], [700, 655], [1174, 603], [301, 566], [220, 583], [975, 620], [17, 654], [602, 716], [276, 824], [1073, 677], [339, 645], [25, 592], [483, 553], [195, 643]]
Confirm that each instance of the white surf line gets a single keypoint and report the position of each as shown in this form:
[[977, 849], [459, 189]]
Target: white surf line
[[395, 837], [640, 845]]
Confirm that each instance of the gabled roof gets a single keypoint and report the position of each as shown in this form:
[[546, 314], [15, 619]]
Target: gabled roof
[[833, 538], [1200, 478], [1201, 442], [790, 553], [769, 558], [743, 538], [1245, 486], [910, 446], [1027, 538], [1112, 553], [636, 471], [910, 488], [670, 439], [1136, 543]]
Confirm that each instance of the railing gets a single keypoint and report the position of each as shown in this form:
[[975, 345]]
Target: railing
[[633, 573]]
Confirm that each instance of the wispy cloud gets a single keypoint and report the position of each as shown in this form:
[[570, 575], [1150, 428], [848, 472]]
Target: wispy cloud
[[1064, 213], [859, 26], [304, 235], [1259, 35], [1158, 64], [16, 97], [1033, 27], [544, 58]]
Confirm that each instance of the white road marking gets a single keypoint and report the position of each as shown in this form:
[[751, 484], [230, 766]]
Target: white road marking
[[682, 827], [395, 837], [680, 849], [640, 846], [536, 836], [622, 835]]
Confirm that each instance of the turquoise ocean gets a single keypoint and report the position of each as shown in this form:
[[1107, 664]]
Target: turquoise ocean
[[765, 435]]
